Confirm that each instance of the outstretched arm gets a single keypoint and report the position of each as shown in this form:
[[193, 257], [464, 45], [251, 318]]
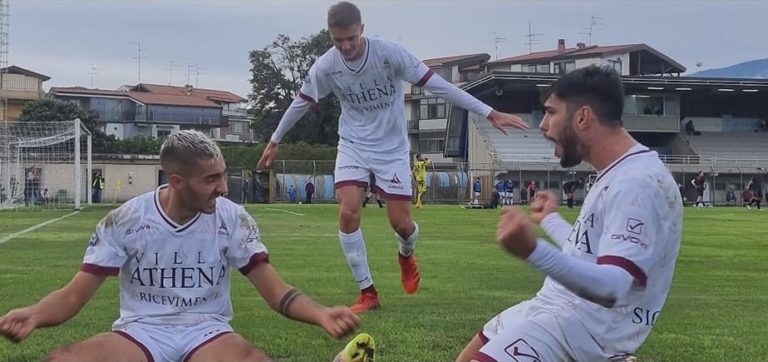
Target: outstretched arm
[[295, 111], [289, 301], [54, 309], [440, 87]]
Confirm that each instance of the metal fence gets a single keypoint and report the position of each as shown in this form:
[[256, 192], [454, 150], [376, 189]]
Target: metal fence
[[452, 183]]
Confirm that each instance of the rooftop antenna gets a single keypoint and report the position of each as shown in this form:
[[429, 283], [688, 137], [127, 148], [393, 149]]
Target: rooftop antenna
[[532, 38], [189, 73], [138, 56], [594, 23], [496, 41], [171, 68], [197, 75], [92, 72]]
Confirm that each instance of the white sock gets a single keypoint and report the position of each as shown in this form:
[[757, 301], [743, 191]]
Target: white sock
[[353, 246], [406, 246]]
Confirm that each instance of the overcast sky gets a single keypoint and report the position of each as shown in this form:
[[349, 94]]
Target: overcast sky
[[62, 38]]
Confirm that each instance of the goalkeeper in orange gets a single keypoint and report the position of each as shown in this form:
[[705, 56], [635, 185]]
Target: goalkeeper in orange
[[420, 175]]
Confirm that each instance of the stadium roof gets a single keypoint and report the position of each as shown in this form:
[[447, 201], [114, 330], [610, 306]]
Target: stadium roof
[[458, 59], [526, 82]]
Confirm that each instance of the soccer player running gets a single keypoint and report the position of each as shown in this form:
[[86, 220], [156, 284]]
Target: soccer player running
[[755, 186], [172, 250], [365, 75], [420, 175], [607, 282]]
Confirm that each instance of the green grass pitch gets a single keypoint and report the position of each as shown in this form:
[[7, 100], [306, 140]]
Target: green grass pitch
[[717, 309]]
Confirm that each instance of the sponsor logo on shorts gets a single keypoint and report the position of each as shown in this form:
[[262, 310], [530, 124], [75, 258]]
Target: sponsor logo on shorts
[[521, 351], [349, 167]]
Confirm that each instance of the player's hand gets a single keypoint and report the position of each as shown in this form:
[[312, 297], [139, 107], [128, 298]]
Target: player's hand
[[501, 120], [338, 321], [270, 152], [515, 232], [18, 324], [544, 204]]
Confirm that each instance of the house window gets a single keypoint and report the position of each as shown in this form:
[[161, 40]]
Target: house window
[[433, 142], [565, 67], [431, 108], [536, 68], [416, 90], [616, 65]]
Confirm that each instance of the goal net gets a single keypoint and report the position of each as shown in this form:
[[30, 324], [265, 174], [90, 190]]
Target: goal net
[[44, 165]]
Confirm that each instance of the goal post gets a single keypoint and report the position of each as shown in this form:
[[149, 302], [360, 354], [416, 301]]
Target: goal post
[[42, 165]]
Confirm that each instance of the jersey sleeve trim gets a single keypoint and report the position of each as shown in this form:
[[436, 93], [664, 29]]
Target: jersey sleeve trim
[[255, 260], [425, 78], [307, 98], [99, 270], [627, 265]]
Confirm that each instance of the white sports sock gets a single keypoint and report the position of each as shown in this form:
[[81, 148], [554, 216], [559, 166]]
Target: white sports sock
[[353, 246], [406, 246]]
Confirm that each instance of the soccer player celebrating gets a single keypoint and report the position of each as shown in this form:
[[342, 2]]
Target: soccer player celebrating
[[608, 282], [365, 75], [420, 175], [172, 250]]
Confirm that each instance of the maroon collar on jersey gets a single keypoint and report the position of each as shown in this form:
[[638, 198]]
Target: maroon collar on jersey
[[174, 225], [365, 59], [620, 160]]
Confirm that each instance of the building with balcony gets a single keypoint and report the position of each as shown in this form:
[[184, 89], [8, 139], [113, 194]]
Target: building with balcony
[[426, 114], [152, 110], [18, 87]]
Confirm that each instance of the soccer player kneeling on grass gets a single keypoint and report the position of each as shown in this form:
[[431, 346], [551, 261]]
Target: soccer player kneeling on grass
[[172, 250], [608, 282]]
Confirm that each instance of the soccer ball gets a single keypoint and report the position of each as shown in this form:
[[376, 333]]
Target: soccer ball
[[299, 202]]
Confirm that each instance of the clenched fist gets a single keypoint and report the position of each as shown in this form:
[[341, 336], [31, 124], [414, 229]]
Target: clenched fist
[[544, 204], [18, 324], [516, 233], [339, 321]]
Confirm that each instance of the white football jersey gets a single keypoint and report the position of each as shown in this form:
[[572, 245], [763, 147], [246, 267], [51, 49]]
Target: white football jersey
[[632, 218], [170, 273], [371, 95]]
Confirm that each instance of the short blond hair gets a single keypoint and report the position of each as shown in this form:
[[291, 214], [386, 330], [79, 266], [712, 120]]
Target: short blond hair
[[183, 150]]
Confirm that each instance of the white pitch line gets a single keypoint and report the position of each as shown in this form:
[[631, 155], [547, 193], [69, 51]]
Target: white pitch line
[[9, 237], [285, 211]]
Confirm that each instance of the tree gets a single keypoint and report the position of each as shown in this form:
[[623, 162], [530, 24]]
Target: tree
[[277, 73], [49, 110]]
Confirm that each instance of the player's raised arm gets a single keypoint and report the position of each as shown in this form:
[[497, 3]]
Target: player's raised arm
[[54, 309], [292, 303]]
